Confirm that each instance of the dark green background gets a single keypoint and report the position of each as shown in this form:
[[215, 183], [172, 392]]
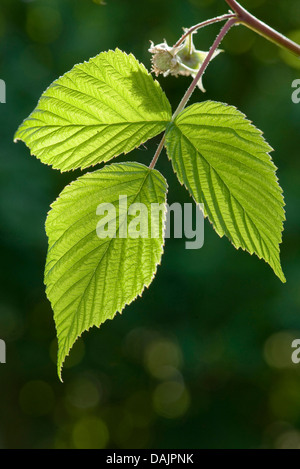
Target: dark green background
[[203, 360]]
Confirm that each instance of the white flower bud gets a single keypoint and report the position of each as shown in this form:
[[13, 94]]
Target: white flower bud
[[182, 60]]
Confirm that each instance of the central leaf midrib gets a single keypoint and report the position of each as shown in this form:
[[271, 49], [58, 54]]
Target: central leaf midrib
[[100, 124], [96, 268], [230, 192]]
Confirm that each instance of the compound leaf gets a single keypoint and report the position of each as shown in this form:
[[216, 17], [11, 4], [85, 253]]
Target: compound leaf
[[98, 110], [224, 162], [89, 278]]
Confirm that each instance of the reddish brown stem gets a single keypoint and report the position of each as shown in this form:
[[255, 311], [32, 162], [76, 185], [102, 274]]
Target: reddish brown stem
[[203, 67], [245, 18], [193, 85], [202, 25]]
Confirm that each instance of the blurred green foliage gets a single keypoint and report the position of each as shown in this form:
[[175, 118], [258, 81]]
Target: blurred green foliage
[[203, 360]]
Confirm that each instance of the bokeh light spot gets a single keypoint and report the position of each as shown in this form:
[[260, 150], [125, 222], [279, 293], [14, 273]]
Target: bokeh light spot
[[288, 440], [43, 24], [163, 358], [171, 399], [278, 350], [90, 433], [83, 393]]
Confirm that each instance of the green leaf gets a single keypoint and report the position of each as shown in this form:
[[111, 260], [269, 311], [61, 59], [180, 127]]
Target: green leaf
[[225, 164], [88, 279], [100, 109]]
